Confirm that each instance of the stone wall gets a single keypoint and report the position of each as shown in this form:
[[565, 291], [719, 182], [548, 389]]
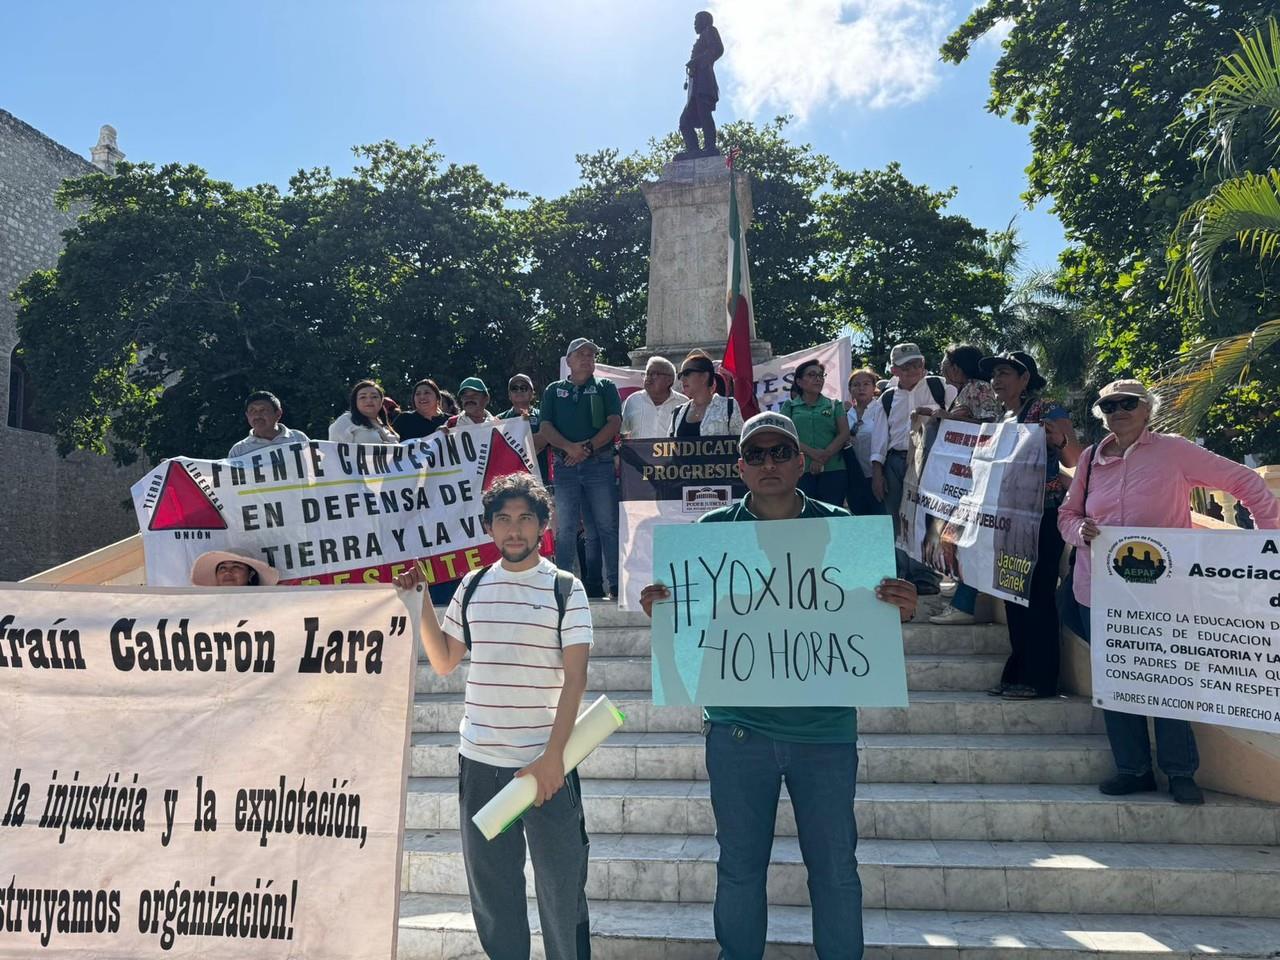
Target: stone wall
[[51, 509]]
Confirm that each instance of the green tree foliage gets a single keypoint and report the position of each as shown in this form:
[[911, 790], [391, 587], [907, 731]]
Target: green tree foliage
[[177, 294], [1107, 90], [900, 268]]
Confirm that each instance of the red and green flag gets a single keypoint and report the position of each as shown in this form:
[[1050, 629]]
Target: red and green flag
[[737, 352]]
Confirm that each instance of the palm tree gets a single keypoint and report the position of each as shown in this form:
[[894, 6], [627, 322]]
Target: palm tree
[[1244, 208], [1038, 316]]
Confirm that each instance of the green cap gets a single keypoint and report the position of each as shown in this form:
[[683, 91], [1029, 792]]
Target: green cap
[[473, 383]]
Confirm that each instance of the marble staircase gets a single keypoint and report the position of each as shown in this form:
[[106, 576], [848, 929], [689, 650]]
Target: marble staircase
[[983, 834]]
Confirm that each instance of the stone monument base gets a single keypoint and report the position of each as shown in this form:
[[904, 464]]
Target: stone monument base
[[761, 350], [688, 261]]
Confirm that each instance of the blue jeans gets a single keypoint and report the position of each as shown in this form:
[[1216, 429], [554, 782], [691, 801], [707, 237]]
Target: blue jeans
[[746, 769], [1131, 745], [588, 490], [965, 599]]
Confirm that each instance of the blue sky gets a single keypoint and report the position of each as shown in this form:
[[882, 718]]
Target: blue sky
[[252, 91]]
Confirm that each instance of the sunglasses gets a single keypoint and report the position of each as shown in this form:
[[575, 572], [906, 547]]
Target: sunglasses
[[1111, 406], [690, 372], [519, 388], [778, 453]]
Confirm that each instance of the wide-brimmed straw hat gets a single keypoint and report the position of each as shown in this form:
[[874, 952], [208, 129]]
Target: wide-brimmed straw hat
[[204, 572]]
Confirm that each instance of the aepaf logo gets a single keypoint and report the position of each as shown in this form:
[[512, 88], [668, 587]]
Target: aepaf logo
[[1140, 560]]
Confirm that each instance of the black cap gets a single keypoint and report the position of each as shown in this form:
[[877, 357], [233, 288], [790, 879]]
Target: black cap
[[1022, 362]]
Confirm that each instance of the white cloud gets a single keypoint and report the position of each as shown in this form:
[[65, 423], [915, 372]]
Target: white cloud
[[799, 55]]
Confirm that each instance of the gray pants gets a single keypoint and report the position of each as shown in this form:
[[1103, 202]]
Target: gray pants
[[558, 844], [895, 471]]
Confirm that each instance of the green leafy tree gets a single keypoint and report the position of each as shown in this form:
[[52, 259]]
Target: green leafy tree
[[900, 268], [1106, 89], [1230, 376], [177, 294]]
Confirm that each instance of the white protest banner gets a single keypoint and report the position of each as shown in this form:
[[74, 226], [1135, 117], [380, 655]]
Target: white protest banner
[[667, 481], [972, 501], [773, 377], [203, 773], [1186, 624], [781, 613], [330, 513]]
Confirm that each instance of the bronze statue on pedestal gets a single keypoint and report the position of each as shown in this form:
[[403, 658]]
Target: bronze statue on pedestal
[[703, 92]]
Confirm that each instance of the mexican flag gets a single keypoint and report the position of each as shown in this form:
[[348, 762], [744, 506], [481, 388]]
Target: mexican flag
[[737, 352]]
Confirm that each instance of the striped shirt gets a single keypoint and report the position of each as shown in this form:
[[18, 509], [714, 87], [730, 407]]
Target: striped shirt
[[517, 669]]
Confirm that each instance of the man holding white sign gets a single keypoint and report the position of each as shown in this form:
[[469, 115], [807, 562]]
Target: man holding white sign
[[1137, 478], [751, 751]]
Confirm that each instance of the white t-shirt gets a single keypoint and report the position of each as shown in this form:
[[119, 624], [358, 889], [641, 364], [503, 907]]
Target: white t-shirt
[[517, 668]]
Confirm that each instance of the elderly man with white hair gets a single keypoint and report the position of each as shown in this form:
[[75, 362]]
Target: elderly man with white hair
[[648, 412], [1138, 478]]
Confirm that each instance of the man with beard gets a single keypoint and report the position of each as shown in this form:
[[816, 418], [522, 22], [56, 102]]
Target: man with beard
[[527, 626]]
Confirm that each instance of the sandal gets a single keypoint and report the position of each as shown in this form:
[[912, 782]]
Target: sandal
[[998, 689]]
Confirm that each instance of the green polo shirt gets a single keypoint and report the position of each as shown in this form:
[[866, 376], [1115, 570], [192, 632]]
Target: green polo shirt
[[579, 412], [816, 424], [797, 724]]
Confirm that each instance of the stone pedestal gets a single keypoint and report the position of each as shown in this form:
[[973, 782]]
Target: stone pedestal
[[688, 259]]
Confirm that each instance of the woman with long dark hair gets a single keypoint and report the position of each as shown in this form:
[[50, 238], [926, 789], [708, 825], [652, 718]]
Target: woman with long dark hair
[[426, 417], [365, 420]]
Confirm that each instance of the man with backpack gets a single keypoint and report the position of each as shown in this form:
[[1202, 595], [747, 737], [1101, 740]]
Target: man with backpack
[[914, 392], [527, 626]]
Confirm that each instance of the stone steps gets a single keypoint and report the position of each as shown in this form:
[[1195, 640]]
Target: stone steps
[[884, 758], [1060, 813], [1136, 878], [931, 711], [438, 927], [983, 834], [924, 672]]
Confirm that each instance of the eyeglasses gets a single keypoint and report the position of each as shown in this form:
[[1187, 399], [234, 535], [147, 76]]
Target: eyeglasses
[[815, 375], [778, 453], [1125, 403]]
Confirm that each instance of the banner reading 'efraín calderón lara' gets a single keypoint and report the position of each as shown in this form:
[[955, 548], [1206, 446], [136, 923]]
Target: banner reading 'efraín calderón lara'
[[212, 773], [332, 513]]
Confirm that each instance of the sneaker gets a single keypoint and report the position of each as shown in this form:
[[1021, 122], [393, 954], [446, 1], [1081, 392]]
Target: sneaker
[[1123, 784], [951, 617], [1185, 790]]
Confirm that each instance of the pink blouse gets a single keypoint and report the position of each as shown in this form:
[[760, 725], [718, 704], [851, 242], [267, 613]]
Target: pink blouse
[[1149, 485]]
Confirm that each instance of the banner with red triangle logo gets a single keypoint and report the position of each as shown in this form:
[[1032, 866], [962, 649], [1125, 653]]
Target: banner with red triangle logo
[[328, 513]]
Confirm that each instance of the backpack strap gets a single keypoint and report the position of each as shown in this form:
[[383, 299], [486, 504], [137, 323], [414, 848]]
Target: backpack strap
[[939, 390], [886, 400], [563, 589], [467, 591]]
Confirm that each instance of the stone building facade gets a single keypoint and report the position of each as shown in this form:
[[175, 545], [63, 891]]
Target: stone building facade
[[51, 509]]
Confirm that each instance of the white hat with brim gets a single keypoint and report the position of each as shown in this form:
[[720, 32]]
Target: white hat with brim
[[1126, 388], [204, 572]]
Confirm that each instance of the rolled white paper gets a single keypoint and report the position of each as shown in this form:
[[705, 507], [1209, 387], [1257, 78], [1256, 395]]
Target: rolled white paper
[[593, 727]]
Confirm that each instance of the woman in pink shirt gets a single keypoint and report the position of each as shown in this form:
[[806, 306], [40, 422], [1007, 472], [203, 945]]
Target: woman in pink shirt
[[1136, 478]]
